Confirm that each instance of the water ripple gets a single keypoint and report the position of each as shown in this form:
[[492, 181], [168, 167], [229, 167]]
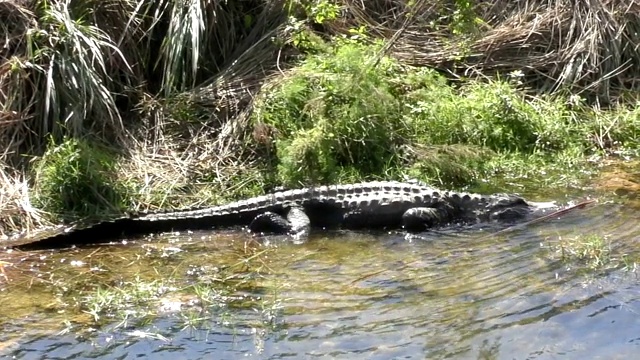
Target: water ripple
[[450, 294]]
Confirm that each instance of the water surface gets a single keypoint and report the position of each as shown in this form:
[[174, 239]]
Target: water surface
[[458, 294]]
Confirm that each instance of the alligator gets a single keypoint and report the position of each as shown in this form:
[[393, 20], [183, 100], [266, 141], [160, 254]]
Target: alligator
[[412, 206]]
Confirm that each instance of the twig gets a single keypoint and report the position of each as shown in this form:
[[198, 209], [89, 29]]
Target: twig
[[541, 219]]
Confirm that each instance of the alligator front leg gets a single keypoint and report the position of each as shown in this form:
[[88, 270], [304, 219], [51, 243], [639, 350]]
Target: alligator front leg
[[296, 223], [422, 218]]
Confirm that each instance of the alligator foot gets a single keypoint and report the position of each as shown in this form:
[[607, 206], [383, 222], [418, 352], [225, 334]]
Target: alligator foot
[[296, 223], [422, 218]]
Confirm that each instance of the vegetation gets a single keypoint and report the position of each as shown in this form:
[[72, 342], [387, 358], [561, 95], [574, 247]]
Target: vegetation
[[592, 252], [195, 287], [74, 179], [595, 251], [116, 105]]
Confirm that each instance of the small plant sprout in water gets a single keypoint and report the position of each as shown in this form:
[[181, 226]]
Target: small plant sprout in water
[[592, 251], [630, 263], [193, 319], [129, 300]]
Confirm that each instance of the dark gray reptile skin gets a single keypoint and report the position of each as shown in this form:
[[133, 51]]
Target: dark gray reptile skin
[[382, 204]]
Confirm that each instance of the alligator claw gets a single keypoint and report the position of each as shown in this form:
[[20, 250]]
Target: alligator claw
[[296, 223], [270, 222]]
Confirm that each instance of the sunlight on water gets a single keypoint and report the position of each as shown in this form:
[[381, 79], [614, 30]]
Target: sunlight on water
[[457, 294]]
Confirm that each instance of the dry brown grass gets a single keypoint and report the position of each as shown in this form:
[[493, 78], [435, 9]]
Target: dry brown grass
[[587, 47], [189, 164], [168, 175], [16, 18], [17, 213]]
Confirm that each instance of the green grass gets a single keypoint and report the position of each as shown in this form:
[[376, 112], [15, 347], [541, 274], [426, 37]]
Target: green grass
[[346, 115], [592, 252], [492, 114], [337, 117], [77, 179]]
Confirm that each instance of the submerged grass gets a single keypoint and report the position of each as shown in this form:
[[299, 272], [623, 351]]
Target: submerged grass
[[93, 288], [591, 252]]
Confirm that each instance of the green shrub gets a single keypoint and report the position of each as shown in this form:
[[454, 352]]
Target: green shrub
[[335, 114], [337, 117], [308, 156], [448, 165], [77, 179], [492, 114]]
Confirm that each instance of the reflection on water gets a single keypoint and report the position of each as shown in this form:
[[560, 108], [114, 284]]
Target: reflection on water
[[340, 295]]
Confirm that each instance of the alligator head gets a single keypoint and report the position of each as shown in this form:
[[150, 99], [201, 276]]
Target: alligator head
[[507, 208]]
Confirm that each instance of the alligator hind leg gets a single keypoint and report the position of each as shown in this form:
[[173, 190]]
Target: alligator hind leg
[[270, 222], [422, 218], [296, 223]]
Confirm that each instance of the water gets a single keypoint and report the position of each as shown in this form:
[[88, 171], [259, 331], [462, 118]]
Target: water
[[445, 295]]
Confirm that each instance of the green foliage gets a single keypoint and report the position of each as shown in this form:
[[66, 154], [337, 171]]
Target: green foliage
[[337, 116], [592, 251], [464, 20], [335, 112], [317, 11], [322, 10], [304, 39], [308, 156], [489, 114], [70, 56], [618, 129], [75, 180], [448, 165], [303, 14]]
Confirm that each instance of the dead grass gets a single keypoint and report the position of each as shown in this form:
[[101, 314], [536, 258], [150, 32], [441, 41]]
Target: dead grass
[[170, 175], [15, 19], [17, 213], [587, 47], [204, 158]]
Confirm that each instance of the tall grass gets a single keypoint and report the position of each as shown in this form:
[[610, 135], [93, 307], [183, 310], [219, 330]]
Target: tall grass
[[73, 68], [585, 47]]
